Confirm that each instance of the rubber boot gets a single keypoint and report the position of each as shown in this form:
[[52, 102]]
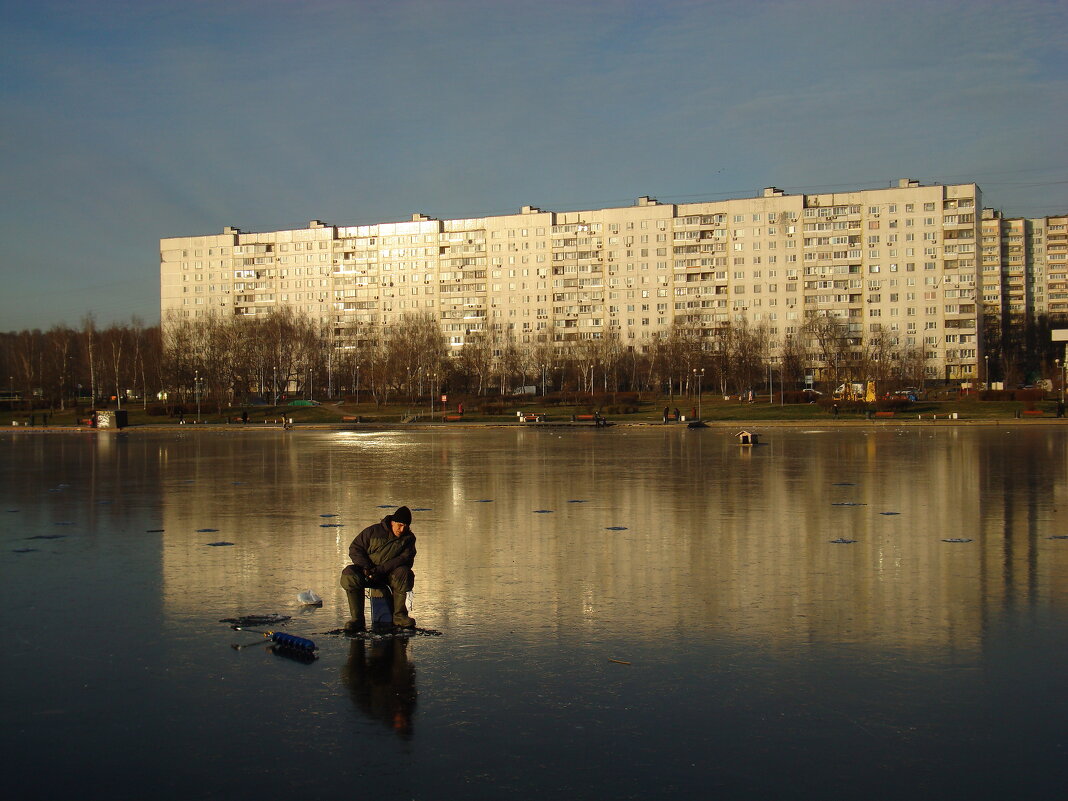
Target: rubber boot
[[357, 623], [400, 611]]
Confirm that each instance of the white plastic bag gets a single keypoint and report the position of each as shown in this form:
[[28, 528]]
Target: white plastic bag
[[309, 598]]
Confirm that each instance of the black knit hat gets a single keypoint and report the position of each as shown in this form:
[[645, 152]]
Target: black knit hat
[[402, 515]]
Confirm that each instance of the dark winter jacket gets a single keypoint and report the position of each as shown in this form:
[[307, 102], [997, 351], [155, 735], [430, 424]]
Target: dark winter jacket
[[375, 548]]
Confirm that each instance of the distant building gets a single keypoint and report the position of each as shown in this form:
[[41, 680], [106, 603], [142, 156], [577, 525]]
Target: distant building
[[898, 264], [1024, 267]]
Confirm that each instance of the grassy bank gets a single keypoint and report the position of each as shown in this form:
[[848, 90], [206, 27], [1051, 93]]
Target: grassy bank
[[479, 411]]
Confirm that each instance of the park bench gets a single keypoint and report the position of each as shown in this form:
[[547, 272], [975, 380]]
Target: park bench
[[453, 418], [884, 414], [1033, 412]]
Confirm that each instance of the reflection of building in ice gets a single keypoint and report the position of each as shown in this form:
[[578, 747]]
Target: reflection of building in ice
[[266, 492], [737, 539], [714, 537]]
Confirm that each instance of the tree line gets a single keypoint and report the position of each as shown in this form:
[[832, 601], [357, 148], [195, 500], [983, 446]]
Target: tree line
[[230, 361]]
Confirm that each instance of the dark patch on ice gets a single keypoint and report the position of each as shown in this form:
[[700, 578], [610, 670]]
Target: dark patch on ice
[[577, 500], [615, 528], [384, 635], [848, 503], [957, 539], [47, 537], [543, 511], [12, 510], [219, 544], [386, 505], [484, 500], [256, 620], [327, 515], [1058, 537], [63, 523], [331, 525], [420, 508], [206, 530], [843, 484], [104, 503], [889, 513], [154, 530], [842, 541], [23, 550]]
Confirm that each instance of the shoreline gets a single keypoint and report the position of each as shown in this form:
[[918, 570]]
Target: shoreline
[[931, 420]]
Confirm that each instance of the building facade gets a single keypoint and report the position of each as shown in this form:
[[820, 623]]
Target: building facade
[[898, 264], [1025, 267]]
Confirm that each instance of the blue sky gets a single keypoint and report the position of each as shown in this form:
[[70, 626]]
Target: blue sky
[[124, 122]]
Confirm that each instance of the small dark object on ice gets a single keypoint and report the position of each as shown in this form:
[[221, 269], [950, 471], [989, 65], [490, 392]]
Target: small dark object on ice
[[615, 528], [543, 511], [889, 513], [47, 537], [219, 544], [842, 541], [206, 530], [1058, 537], [848, 503], [957, 539]]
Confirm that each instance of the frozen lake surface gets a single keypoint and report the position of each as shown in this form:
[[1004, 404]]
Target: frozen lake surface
[[626, 613]]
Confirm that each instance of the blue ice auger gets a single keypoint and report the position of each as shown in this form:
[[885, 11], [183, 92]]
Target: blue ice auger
[[286, 642]]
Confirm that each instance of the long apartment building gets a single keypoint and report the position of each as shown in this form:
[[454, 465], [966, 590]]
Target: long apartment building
[[1025, 267], [899, 263]]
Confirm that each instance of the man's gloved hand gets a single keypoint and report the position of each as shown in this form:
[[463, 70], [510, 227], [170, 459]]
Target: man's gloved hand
[[370, 573]]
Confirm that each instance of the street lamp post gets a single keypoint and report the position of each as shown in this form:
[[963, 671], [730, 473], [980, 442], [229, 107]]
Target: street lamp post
[[357, 385], [986, 369], [698, 376], [196, 392]]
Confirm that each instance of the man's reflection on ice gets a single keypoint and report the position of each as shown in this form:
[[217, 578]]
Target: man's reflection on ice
[[382, 682]]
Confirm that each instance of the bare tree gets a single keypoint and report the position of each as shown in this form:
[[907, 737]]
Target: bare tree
[[830, 347]]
